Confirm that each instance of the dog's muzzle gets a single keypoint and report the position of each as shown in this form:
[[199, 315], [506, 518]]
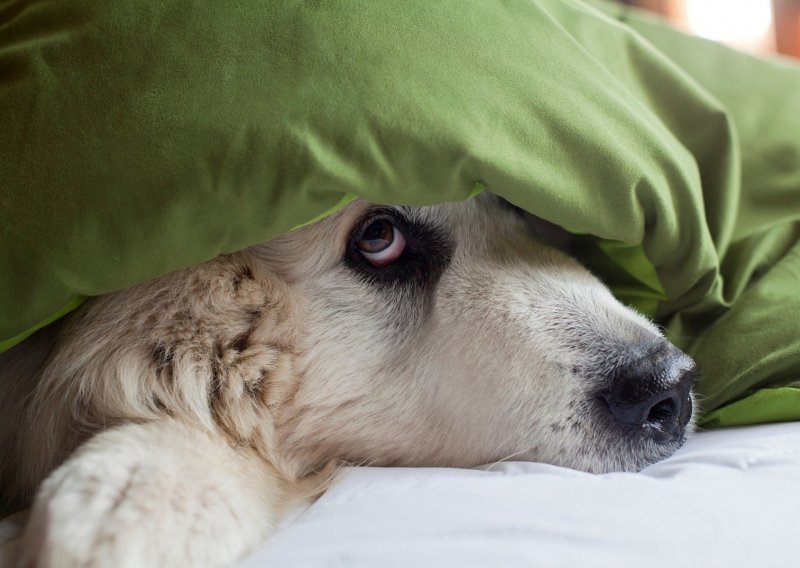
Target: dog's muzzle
[[652, 394]]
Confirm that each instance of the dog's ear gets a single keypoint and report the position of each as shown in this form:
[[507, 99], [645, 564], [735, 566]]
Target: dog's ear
[[218, 344], [253, 363], [211, 345]]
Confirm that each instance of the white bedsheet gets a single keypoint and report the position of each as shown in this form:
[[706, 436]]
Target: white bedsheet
[[728, 498]]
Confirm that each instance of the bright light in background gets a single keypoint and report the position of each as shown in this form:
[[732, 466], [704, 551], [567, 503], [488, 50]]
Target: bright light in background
[[732, 21]]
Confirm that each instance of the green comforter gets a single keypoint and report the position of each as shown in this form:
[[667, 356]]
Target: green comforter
[[141, 136]]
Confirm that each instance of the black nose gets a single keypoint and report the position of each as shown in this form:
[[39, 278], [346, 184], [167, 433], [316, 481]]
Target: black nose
[[653, 393]]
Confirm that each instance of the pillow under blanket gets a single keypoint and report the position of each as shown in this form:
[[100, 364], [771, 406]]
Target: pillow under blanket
[[142, 136]]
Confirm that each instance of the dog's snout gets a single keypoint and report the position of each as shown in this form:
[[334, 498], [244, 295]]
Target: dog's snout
[[653, 393]]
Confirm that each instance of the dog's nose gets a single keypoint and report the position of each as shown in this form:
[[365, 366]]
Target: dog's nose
[[653, 393]]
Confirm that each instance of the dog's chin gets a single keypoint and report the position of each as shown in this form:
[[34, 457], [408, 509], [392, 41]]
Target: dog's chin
[[633, 453], [612, 450], [629, 459]]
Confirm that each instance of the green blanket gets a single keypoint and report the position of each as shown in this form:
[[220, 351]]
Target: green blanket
[[142, 136]]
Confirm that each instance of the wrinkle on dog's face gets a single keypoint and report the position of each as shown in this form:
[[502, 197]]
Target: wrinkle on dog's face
[[489, 347]]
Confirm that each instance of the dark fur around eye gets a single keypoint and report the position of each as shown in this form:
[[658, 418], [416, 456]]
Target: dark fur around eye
[[428, 252]]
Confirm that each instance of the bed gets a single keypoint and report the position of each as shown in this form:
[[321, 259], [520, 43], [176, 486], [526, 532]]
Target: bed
[[728, 498]]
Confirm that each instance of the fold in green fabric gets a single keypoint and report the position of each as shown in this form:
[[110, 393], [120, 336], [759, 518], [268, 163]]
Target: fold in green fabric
[[144, 136]]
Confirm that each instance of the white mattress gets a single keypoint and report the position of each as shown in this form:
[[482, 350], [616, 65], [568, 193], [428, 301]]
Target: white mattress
[[729, 497]]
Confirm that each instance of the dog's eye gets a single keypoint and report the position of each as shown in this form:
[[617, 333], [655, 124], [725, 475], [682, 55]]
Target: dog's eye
[[381, 243]]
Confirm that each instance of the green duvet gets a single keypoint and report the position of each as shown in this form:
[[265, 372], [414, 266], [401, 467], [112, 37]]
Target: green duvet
[[142, 136]]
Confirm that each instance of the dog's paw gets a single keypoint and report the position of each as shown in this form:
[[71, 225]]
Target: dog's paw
[[123, 502]]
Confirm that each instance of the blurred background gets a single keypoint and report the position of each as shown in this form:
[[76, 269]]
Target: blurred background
[[759, 26]]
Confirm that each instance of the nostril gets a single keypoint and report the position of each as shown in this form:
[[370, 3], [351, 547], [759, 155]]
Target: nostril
[[663, 415], [663, 411]]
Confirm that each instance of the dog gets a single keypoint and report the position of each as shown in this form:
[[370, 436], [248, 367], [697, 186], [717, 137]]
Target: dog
[[172, 423]]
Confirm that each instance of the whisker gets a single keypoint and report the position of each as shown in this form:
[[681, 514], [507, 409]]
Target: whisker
[[506, 459]]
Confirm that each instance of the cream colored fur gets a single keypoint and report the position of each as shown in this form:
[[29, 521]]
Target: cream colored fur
[[171, 423]]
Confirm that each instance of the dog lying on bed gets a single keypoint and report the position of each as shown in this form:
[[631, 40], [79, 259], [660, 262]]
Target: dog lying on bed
[[171, 423]]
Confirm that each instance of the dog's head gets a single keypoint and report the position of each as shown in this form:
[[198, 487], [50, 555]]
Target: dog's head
[[445, 335], [453, 335]]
